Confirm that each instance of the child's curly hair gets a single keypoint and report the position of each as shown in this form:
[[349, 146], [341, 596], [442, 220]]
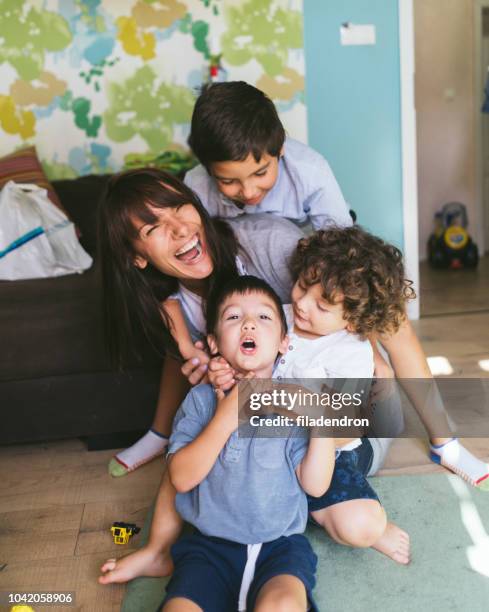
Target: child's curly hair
[[363, 270]]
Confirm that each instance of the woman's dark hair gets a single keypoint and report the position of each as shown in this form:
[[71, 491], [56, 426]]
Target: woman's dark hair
[[232, 120], [133, 296], [364, 271], [241, 285]]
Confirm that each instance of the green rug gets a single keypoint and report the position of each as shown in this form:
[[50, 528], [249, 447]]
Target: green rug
[[448, 523]]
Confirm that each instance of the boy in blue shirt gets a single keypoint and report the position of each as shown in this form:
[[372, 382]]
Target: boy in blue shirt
[[249, 166], [244, 494]]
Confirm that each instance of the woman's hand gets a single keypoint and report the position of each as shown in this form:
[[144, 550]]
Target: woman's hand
[[194, 351], [195, 368]]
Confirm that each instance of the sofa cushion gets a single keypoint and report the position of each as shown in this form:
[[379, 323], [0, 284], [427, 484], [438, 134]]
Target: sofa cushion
[[82, 404], [54, 326], [80, 197], [51, 326]]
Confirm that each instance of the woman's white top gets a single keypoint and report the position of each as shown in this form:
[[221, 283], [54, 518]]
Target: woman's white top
[[192, 303]]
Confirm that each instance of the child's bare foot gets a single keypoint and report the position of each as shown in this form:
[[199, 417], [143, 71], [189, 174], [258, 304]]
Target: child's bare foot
[[394, 543], [143, 562]]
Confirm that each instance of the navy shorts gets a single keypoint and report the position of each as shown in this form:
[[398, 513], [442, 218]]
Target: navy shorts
[[209, 570], [349, 479]]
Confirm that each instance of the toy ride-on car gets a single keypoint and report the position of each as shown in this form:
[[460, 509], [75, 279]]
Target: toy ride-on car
[[450, 246]]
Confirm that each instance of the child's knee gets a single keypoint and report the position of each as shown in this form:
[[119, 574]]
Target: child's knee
[[180, 604], [362, 525], [282, 594], [280, 602]]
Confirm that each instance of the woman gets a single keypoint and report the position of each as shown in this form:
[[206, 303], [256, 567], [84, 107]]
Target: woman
[[157, 240]]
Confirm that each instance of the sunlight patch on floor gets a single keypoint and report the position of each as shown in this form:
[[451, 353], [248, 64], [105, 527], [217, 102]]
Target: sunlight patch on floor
[[484, 365], [440, 366], [478, 554]]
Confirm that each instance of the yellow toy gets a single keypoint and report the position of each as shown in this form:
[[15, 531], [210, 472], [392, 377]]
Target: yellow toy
[[122, 532], [450, 245]]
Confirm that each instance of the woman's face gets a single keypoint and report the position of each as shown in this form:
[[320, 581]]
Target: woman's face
[[175, 243]]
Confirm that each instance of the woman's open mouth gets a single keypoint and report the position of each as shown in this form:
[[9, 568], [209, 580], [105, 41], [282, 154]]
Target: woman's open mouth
[[191, 251], [248, 346]]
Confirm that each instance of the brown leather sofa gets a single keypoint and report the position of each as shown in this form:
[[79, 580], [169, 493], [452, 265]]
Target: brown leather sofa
[[55, 377]]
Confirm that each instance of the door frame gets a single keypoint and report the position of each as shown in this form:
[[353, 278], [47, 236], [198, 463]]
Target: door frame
[[480, 224], [409, 152]]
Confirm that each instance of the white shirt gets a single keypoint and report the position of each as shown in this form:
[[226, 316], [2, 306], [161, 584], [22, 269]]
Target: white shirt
[[337, 355], [306, 189]]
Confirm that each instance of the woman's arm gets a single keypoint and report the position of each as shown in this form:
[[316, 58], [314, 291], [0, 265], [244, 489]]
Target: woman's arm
[[193, 370], [190, 465], [180, 332], [409, 362], [315, 471], [405, 353]]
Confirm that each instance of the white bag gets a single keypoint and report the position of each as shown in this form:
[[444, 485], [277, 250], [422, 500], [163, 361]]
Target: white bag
[[37, 240]]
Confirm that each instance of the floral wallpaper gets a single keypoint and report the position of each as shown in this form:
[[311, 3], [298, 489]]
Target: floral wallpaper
[[95, 83]]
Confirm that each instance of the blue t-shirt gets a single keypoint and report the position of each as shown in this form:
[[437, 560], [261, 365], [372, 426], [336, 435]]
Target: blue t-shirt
[[251, 495], [305, 190]]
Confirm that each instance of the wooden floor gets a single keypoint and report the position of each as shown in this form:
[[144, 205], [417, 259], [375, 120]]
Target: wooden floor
[[454, 291], [57, 501]]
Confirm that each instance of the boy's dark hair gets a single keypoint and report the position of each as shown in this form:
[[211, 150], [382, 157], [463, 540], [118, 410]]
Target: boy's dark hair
[[232, 120], [132, 297], [363, 270], [241, 285]]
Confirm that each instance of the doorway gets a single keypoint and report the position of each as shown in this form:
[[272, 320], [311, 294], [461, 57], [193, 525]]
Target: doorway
[[451, 134]]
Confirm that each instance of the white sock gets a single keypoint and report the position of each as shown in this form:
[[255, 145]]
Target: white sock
[[458, 459], [146, 448]]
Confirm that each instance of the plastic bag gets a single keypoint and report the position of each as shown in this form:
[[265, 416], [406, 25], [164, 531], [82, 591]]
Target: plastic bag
[[37, 240]]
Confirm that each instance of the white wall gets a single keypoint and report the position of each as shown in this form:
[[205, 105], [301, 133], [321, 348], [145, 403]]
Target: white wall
[[444, 56]]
